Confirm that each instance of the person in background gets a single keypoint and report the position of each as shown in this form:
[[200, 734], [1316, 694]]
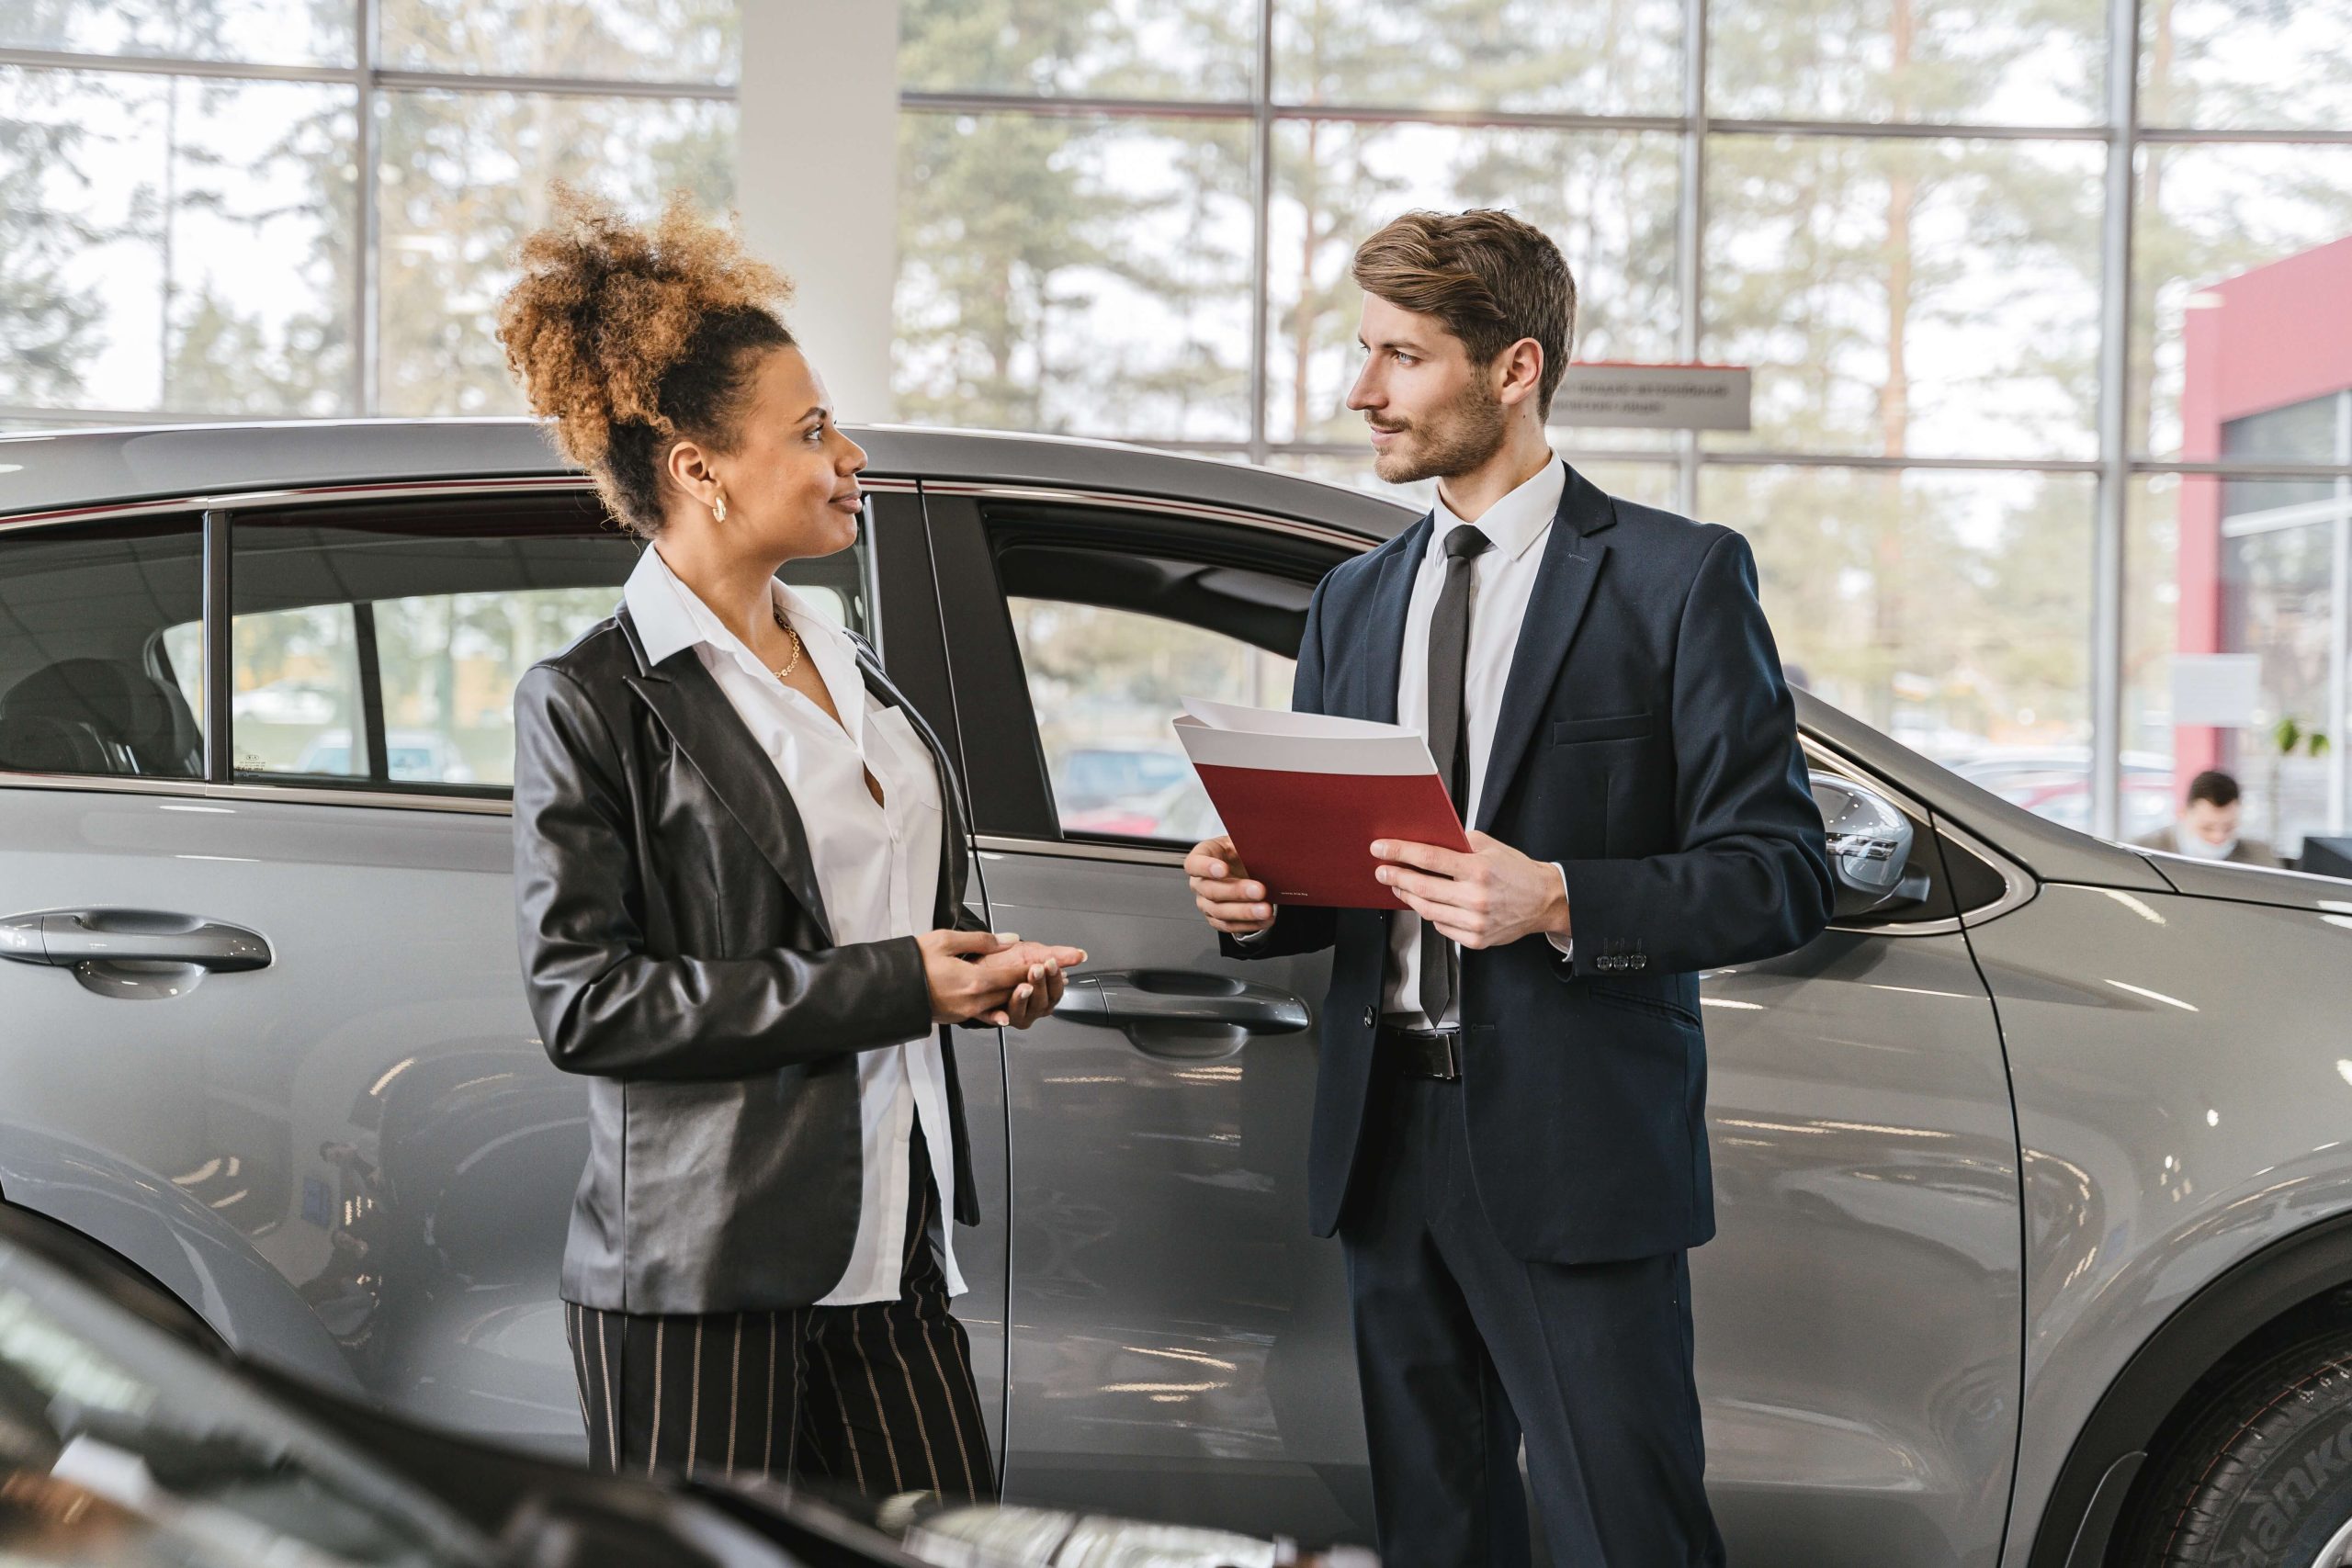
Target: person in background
[[2208, 825]]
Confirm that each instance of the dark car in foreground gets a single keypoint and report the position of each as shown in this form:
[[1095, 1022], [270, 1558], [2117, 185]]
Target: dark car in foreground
[[2034, 1189]]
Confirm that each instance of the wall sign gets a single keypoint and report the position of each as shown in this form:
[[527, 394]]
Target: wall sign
[[1653, 397]]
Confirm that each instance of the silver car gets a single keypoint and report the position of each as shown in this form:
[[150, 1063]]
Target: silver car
[[2033, 1175]]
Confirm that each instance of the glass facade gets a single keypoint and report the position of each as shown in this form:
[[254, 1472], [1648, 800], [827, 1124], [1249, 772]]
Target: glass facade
[[289, 208], [1995, 487], [2046, 323]]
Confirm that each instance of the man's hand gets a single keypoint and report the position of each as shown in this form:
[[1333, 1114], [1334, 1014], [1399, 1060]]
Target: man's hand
[[1221, 887], [1490, 897]]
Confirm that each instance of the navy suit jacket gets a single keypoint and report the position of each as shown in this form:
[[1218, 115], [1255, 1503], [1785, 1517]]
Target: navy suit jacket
[[1647, 742]]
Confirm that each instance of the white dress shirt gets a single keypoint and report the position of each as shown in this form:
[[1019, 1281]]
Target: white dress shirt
[[1501, 580], [876, 865]]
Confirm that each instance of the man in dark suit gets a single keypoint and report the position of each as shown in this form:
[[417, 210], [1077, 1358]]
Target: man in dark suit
[[1510, 1134]]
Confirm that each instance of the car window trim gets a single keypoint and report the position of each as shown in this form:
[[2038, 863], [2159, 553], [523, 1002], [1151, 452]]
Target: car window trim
[[1344, 538], [1017, 818], [326, 495], [2018, 886], [217, 514]]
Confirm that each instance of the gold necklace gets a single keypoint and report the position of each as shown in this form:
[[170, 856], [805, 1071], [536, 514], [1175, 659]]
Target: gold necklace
[[790, 665]]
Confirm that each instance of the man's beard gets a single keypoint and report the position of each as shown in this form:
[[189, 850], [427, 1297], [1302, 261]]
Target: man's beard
[[1453, 441]]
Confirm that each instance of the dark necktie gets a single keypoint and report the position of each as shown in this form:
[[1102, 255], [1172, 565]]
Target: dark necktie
[[1449, 653]]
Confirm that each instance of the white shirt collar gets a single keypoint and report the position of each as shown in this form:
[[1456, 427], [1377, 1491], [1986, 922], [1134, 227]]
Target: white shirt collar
[[669, 615], [1519, 519]]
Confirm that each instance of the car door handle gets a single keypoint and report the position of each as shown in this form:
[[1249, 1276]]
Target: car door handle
[[64, 939], [1182, 1013]]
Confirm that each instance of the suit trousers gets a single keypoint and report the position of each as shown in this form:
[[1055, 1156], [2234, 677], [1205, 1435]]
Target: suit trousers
[[1462, 1348], [877, 1397]]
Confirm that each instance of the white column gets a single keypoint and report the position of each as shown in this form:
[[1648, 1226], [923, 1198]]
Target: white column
[[817, 180]]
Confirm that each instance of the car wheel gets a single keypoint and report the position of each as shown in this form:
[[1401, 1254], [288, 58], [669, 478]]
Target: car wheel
[[2263, 1476]]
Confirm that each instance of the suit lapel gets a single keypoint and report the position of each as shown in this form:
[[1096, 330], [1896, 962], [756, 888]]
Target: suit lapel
[[705, 725], [1571, 557], [1391, 597]]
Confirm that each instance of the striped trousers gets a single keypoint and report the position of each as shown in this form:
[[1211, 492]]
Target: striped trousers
[[878, 1396]]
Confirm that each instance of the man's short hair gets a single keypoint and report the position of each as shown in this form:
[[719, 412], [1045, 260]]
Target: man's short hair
[[2214, 787], [1490, 277]]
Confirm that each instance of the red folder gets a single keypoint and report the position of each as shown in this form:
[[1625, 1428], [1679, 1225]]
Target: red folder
[[1304, 795]]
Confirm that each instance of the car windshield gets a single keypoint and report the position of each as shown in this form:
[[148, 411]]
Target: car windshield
[[119, 1445]]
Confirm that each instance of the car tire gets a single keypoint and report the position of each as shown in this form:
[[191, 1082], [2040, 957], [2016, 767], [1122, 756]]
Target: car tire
[[2262, 1475]]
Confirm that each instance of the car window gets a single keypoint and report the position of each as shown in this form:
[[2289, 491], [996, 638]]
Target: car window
[[90, 684], [1116, 619], [1107, 686], [381, 646]]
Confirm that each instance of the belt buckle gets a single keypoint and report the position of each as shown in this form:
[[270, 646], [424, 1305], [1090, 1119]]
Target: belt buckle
[[1449, 1042]]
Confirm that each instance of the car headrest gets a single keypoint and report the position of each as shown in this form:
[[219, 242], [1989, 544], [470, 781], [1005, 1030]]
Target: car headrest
[[99, 715]]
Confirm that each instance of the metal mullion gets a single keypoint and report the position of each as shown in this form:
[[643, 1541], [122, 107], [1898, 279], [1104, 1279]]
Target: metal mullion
[[2280, 519], [560, 86], [1931, 130], [1712, 457], [1653, 456], [2109, 529], [1261, 157], [2339, 622], [174, 65], [2183, 136], [363, 72], [2244, 469], [1690, 218], [1477, 120], [1085, 107], [366, 333]]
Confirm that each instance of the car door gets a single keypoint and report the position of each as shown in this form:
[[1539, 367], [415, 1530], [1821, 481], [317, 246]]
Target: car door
[[367, 1123], [1858, 1312], [1179, 1342]]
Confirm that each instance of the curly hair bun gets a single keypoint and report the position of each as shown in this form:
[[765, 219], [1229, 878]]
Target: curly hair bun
[[606, 322]]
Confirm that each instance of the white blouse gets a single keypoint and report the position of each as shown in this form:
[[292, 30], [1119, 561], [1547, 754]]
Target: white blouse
[[876, 865]]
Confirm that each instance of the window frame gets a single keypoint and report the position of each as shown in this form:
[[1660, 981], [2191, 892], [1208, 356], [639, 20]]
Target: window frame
[[990, 692], [217, 513], [1013, 806]]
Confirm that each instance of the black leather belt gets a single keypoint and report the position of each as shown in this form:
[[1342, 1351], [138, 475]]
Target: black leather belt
[[1419, 1053]]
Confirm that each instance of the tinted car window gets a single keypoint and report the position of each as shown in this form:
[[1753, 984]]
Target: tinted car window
[[1112, 639], [89, 682], [381, 645], [1107, 685]]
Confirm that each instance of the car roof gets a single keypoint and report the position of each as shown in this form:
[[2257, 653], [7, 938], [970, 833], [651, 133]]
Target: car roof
[[51, 472], [54, 471]]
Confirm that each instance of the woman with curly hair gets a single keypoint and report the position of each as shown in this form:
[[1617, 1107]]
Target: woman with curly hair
[[739, 867]]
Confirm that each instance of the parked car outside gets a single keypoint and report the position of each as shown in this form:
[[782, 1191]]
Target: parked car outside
[[2035, 1207], [411, 756], [2056, 785]]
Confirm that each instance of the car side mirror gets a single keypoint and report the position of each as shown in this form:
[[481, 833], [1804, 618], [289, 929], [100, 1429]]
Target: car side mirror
[[1869, 847]]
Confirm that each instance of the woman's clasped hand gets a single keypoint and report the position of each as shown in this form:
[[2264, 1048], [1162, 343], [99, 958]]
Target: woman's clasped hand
[[994, 976]]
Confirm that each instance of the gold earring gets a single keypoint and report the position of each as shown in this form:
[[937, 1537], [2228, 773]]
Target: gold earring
[[718, 505]]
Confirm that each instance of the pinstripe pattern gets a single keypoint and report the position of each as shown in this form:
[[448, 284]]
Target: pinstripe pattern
[[880, 1394]]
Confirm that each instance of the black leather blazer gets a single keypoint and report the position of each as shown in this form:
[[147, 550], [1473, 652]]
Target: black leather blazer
[[677, 953]]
